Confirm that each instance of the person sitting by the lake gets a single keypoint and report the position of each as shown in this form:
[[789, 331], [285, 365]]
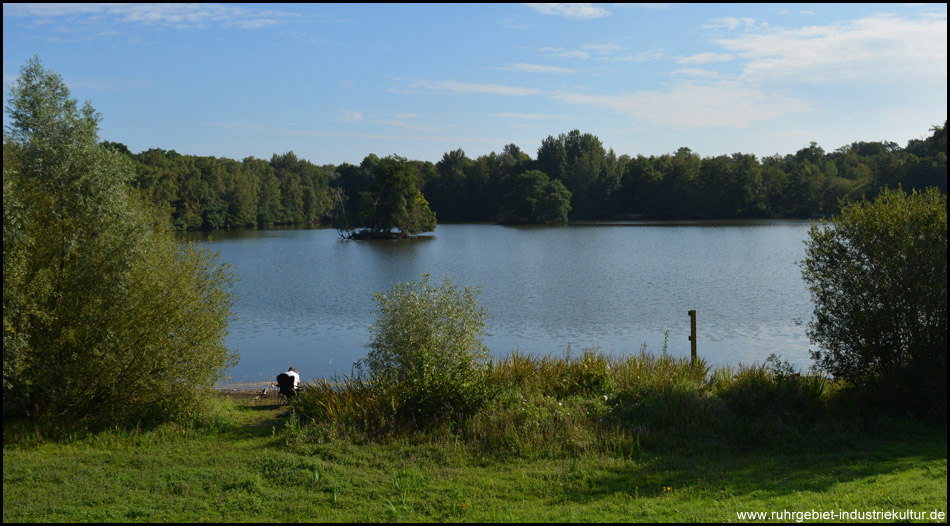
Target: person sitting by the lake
[[288, 382]]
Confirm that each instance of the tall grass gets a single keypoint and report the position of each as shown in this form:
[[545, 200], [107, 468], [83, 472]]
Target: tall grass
[[592, 403]]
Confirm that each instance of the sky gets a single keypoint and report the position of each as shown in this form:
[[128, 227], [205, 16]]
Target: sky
[[335, 83]]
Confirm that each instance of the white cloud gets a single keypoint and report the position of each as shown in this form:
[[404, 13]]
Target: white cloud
[[256, 23], [174, 15], [536, 68], [297, 132], [730, 23], [698, 73], [603, 53], [408, 116], [460, 87], [565, 53], [349, 116], [704, 58], [691, 106], [578, 11], [50, 9], [407, 125], [644, 56], [602, 48], [879, 47], [526, 116]]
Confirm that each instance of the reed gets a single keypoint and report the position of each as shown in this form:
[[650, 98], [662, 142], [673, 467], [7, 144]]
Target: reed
[[590, 403]]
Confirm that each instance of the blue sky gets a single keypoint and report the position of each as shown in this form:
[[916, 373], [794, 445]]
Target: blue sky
[[334, 83]]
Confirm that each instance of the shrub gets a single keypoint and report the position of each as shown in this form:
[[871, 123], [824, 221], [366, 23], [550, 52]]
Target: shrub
[[105, 316], [771, 390], [428, 339], [878, 278]]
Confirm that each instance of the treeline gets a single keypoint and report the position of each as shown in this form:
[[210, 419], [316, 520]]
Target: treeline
[[573, 176]]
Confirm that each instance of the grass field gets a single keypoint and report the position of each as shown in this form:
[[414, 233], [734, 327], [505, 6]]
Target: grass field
[[253, 464]]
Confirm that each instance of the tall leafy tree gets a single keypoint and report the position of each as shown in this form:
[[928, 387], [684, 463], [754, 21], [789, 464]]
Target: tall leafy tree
[[395, 207], [449, 191], [105, 316], [534, 198]]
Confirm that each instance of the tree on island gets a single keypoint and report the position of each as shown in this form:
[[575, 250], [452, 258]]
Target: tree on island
[[395, 207]]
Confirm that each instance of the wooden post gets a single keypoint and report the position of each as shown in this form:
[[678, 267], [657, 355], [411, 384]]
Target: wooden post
[[692, 335]]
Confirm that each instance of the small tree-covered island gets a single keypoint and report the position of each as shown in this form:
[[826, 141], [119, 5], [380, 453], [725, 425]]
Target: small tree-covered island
[[393, 208], [114, 339]]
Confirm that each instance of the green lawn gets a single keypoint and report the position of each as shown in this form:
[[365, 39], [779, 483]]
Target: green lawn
[[251, 469]]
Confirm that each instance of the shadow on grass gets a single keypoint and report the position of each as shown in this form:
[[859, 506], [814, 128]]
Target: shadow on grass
[[772, 472], [262, 419]]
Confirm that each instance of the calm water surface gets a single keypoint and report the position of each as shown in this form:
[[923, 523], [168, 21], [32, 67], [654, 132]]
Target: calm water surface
[[305, 297]]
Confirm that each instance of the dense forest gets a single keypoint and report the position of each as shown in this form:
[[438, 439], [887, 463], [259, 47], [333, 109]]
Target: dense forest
[[572, 177]]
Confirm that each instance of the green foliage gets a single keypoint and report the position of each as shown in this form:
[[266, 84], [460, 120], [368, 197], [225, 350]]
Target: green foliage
[[533, 198], [215, 193], [592, 404], [581, 163], [105, 316], [209, 192], [395, 204], [878, 277], [428, 339], [773, 391]]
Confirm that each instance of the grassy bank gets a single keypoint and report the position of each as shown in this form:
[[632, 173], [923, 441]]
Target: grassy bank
[[584, 439]]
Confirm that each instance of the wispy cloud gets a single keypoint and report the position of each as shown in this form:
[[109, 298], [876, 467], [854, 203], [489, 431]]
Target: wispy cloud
[[603, 48], [692, 106], [524, 116], [50, 9], [349, 116], [406, 125], [536, 68], [169, 15], [643, 56], [300, 132], [560, 52], [576, 11], [876, 47], [602, 52], [705, 58], [698, 73], [730, 23], [461, 87]]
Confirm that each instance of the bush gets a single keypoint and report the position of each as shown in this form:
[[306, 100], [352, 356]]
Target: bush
[[106, 318], [428, 339], [878, 278], [772, 390]]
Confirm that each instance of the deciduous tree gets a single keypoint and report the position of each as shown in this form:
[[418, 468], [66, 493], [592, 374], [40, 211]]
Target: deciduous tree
[[105, 316], [878, 277]]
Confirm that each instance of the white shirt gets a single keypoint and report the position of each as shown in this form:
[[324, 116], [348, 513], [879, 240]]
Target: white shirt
[[296, 376]]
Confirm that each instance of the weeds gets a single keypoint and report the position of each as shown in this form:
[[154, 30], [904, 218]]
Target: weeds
[[539, 407]]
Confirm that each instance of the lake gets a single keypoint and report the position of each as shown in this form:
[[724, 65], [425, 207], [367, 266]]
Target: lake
[[305, 297]]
